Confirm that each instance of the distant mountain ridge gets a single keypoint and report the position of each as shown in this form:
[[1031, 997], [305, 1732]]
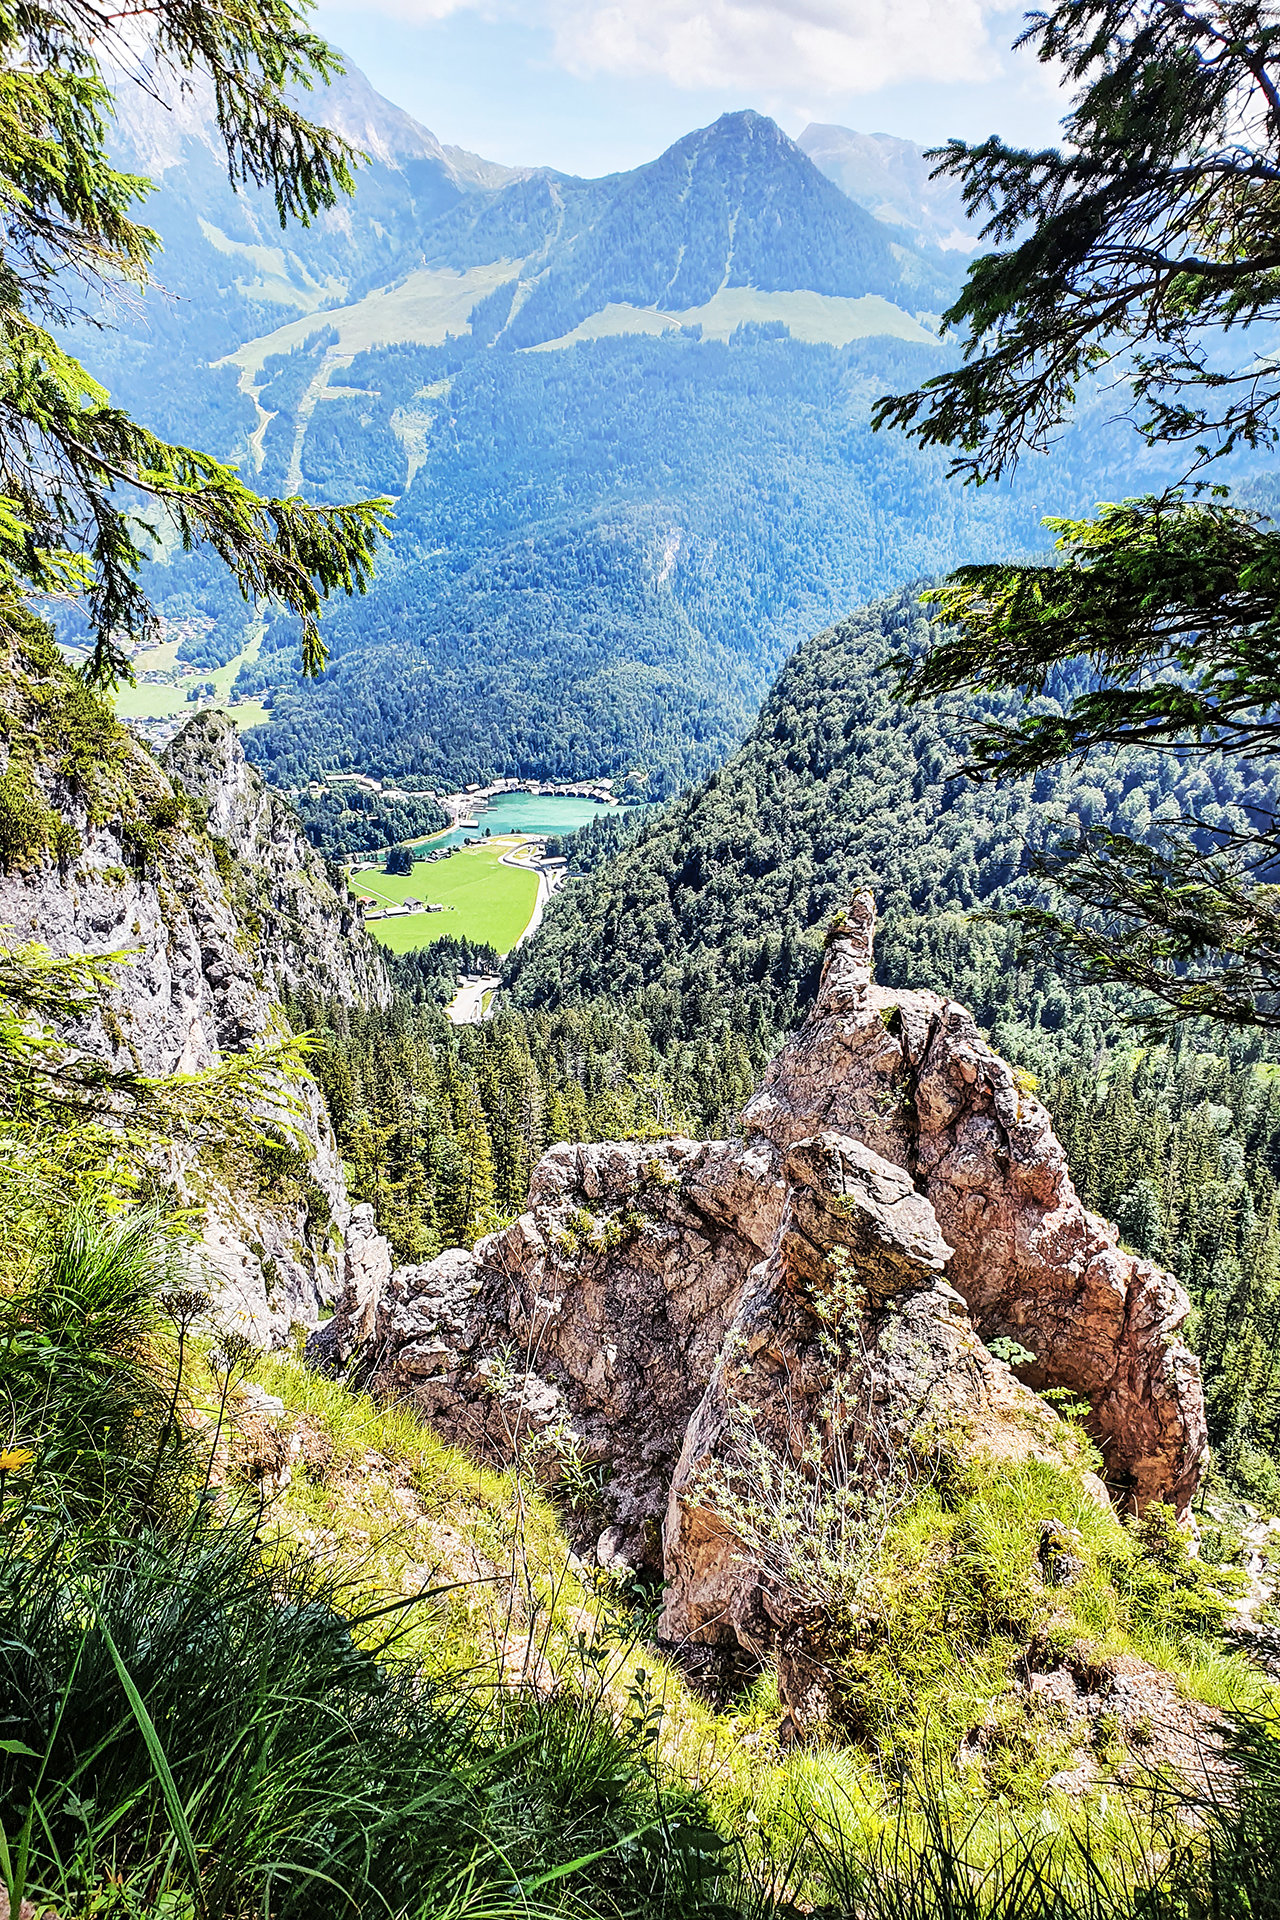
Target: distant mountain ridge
[[625, 423], [735, 204], [891, 178], [155, 125]]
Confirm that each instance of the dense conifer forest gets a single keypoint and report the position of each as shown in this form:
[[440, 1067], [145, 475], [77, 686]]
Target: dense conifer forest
[[716, 909]]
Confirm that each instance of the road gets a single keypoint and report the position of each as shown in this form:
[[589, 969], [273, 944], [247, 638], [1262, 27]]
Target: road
[[540, 898], [543, 894], [466, 1009]]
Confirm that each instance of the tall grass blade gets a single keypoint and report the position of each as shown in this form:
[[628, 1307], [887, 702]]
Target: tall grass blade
[[585, 1859], [168, 1786]]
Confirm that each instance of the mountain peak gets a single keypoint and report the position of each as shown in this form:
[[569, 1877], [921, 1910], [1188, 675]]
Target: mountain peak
[[157, 123], [733, 205], [744, 132], [890, 177]]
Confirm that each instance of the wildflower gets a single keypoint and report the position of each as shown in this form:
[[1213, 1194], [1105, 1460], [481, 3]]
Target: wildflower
[[14, 1458]]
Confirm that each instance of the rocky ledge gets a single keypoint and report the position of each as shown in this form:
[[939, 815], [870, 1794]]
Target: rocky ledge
[[814, 1298]]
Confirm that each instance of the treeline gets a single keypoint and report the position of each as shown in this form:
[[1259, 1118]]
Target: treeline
[[348, 819], [441, 1126], [601, 840]]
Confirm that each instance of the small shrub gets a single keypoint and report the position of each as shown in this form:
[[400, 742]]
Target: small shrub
[[26, 824], [139, 843], [284, 1175], [222, 859], [166, 813], [90, 736], [67, 843]]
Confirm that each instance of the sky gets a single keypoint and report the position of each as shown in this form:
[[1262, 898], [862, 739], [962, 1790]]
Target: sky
[[595, 86]]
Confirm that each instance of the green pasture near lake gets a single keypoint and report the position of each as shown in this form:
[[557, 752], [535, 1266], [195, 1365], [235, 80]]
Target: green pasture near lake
[[483, 900]]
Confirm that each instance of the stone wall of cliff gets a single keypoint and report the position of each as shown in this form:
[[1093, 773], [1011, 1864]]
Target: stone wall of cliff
[[202, 882]]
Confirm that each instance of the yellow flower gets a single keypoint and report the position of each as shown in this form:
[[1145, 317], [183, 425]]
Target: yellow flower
[[11, 1458]]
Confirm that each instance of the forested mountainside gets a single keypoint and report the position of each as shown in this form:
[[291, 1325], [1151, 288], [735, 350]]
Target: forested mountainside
[[244, 1599], [718, 905], [624, 422], [594, 1520], [707, 924]]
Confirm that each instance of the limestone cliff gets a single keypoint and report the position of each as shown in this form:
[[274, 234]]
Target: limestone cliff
[[205, 885]]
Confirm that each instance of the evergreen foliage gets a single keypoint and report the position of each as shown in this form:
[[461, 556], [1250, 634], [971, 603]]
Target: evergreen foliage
[[714, 913], [66, 453], [441, 1126], [1146, 245], [1181, 1149], [348, 819]]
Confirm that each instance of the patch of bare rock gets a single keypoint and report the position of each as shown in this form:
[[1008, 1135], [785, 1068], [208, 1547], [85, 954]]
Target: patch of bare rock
[[826, 1285]]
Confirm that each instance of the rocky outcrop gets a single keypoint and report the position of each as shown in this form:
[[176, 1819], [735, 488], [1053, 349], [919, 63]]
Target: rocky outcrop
[[594, 1322], [305, 933], [849, 1367], [204, 885], [657, 1294], [909, 1075], [827, 1285]]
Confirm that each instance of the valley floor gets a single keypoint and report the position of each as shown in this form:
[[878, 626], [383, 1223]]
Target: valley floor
[[487, 893]]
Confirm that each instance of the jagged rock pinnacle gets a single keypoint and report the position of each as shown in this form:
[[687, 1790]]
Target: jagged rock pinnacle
[[849, 968]]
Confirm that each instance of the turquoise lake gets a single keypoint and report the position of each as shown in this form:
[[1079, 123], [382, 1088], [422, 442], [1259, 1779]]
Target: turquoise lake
[[526, 813]]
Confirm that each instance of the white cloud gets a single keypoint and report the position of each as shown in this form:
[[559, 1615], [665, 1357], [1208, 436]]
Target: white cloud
[[417, 12], [815, 47]]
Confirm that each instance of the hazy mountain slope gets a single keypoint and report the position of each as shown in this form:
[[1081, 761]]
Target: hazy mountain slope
[[890, 178], [719, 906], [732, 205], [608, 551]]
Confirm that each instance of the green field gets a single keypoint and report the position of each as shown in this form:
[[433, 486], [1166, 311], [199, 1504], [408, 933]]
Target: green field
[[483, 900], [162, 699]]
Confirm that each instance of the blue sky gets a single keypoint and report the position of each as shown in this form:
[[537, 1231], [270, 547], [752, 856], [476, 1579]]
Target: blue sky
[[592, 86]]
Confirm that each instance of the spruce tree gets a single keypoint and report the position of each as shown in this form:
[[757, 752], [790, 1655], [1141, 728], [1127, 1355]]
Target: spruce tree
[[73, 467], [1141, 252]]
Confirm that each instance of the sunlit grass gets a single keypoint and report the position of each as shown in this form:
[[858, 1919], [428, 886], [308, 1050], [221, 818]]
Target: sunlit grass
[[483, 900]]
